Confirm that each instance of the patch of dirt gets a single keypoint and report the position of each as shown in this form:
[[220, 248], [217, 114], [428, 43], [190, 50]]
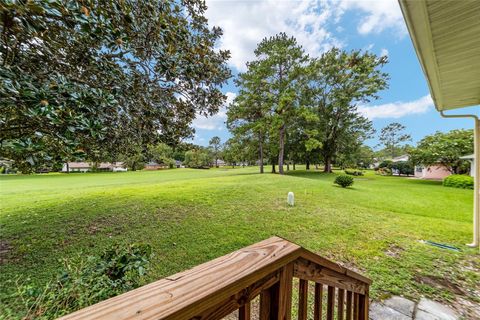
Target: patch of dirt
[[5, 249], [170, 215], [102, 224], [440, 283], [352, 266], [394, 251]]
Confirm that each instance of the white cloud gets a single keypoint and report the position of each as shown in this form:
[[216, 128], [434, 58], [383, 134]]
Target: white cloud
[[246, 23], [384, 52], [379, 15], [397, 109], [217, 121]]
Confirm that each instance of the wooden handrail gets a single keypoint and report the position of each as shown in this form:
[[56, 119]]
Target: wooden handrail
[[216, 288]]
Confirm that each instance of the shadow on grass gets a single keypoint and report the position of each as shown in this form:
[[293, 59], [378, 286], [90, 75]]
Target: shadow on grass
[[315, 175], [426, 182]]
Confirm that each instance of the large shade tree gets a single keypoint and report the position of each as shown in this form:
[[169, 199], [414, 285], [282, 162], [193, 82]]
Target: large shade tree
[[250, 113], [338, 81], [280, 63], [444, 148], [80, 78], [392, 135], [215, 144]]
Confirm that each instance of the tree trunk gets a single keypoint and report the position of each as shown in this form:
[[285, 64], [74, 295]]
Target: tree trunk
[[261, 154], [68, 167], [316, 166], [288, 166], [281, 149], [308, 165], [273, 167], [293, 165], [216, 163], [328, 165]]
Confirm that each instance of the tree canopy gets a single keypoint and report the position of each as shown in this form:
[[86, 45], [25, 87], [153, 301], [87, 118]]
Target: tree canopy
[[444, 148], [93, 79], [300, 109], [392, 136]]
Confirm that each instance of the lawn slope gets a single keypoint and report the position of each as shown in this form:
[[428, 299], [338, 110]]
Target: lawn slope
[[191, 216]]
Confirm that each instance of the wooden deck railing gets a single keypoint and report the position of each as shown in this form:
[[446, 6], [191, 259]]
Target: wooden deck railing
[[266, 269]]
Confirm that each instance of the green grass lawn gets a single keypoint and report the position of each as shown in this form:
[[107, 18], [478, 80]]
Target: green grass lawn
[[191, 216]]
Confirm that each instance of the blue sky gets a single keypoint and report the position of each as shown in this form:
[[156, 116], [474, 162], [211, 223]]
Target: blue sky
[[374, 25]]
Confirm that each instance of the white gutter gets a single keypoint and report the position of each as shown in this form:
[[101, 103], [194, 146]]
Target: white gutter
[[476, 178]]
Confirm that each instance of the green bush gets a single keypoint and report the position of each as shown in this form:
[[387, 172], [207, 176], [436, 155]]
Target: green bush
[[344, 180], [403, 167], [198, 159], [85, 281], [386, 164], [354, 172], [384, 171], [458, 181]]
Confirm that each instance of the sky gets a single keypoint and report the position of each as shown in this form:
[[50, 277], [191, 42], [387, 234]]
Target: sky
[[318, 25]]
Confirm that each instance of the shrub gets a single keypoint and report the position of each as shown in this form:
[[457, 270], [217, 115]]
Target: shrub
[[403, 167], [458, 181], [386, 164], [344, 180], [354, 172], [197, 159], [85, 281], [384, 171]]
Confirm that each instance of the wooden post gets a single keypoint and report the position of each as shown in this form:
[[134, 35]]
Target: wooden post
[[340, 307], [362, 307], [330, 303], [265, 304], [355, 306], [244, 312], [302, 299], [317, 311], [349, 305], [276, 302]]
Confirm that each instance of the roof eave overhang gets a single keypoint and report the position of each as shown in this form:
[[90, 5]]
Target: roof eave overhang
[[418, 23], [418, 26]]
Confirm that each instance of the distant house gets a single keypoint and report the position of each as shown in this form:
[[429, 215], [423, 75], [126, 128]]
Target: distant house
[[179, 164], [434, 172], [152, 165], [404, 157], [470, 158], [87, 166]]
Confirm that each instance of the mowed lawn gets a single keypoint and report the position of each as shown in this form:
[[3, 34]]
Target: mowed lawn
[[191, 216]]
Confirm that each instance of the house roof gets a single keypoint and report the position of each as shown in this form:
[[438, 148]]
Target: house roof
[[78, 165], [101, 165], [446, 37], [401, 158]]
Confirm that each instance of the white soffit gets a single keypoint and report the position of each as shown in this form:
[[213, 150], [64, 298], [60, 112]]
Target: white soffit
[[446, 36]]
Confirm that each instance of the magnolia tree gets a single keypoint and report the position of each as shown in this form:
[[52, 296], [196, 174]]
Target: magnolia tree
[[444, 148], [92, 79]]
